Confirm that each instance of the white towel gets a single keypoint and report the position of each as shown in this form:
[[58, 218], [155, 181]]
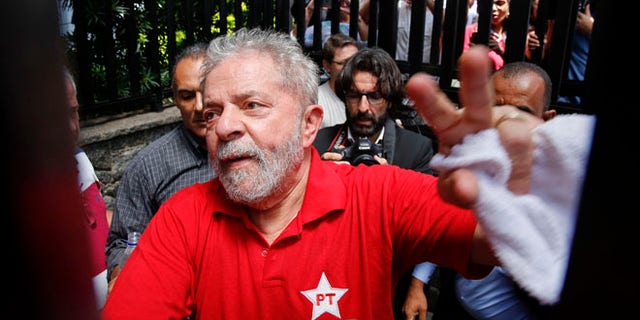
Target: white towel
[[531, 234]]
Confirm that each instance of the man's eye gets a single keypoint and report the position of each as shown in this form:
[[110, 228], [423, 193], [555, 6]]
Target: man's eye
[[253, 105], [375, 95], [209, 115], [525, 109], [187, 96], [352, 96]]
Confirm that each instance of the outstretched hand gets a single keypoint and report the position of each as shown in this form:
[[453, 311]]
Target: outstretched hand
[[451, 124]]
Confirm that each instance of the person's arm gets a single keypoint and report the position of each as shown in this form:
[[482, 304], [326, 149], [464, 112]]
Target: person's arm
[[134, 208], [308, 12], [156, 284], [363, 29], [584, 21], [530, 234], [363, 19], [416, 302], [451, 125]]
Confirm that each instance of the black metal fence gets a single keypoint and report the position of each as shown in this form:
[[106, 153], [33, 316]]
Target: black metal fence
[[122, 51]]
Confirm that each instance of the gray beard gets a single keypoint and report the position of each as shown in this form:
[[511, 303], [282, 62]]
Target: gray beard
[[251, 186]]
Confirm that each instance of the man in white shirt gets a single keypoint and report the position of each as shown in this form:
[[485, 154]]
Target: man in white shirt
[[336, 51], [404, 27]]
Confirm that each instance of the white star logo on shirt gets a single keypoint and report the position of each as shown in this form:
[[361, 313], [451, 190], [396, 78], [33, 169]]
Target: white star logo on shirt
[[324, 298]]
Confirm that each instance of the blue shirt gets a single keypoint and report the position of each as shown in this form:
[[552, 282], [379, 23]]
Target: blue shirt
[[326, 33]]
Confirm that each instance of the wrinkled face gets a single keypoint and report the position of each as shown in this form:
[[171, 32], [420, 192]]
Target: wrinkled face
[[74, 117], [188, 97], [500, 11], [525, 92], [340, 57], [254, 134], [366, 107]]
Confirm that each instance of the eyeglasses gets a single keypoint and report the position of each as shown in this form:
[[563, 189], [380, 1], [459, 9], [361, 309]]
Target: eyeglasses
[[373, 97]]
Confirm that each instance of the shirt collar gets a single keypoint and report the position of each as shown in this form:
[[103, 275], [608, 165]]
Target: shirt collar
[[325, 194], [198, 151]]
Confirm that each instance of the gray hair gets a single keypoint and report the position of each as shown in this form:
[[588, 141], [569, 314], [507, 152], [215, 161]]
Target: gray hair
[[298, 74], [69, 77]]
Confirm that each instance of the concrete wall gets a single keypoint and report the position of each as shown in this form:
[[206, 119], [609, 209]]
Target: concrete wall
[[110, 145]]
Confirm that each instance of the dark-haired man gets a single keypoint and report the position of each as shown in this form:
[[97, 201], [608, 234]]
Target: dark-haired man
[[174, 161], [370, 85]]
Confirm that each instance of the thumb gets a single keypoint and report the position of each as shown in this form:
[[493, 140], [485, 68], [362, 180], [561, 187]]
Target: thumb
[[459, 187]]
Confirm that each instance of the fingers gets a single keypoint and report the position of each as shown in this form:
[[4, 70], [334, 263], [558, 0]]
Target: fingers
[[331, 156], [515, 128], [459, 187], [476, 90], [476, 95]]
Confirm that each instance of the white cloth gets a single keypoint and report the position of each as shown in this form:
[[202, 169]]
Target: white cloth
[[86, 174], [531, 234], [333, 107], [100, 288]]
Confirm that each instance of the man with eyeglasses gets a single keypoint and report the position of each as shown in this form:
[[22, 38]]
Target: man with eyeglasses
[[370, 84], [335, 53]]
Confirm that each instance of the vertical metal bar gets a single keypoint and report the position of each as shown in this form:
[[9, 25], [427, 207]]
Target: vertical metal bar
[[86, 93], [373, 22], [416, 33], [237, 12], [172, 49], [283, 18], [455, 21], [436, 34], [560, 50], [133, 61], [153, 55], [224, 14], [207, 20], [387, 40], [188, 21], [109, 52], [517, 28]]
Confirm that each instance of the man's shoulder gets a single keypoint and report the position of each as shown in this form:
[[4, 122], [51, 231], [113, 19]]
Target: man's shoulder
[[160, 150], [406, 134], [170, 140], [201, 194]]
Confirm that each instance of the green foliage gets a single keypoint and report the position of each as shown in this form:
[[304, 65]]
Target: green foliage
[[108, 39]]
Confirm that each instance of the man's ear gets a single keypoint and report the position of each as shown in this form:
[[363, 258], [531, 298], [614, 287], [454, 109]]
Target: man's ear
[[326, 65], [549, 114], [312, 119]]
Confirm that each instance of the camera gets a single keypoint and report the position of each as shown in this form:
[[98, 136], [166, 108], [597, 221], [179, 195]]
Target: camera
[[361, 151]]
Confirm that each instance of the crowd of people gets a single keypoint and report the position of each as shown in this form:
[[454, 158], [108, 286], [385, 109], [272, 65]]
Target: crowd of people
[[269, 165]]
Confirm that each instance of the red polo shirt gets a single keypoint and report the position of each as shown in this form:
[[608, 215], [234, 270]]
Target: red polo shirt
[[358, 230]]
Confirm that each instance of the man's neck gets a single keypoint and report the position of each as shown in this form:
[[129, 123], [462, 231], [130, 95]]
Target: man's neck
[[332, 84], [276, 213]]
